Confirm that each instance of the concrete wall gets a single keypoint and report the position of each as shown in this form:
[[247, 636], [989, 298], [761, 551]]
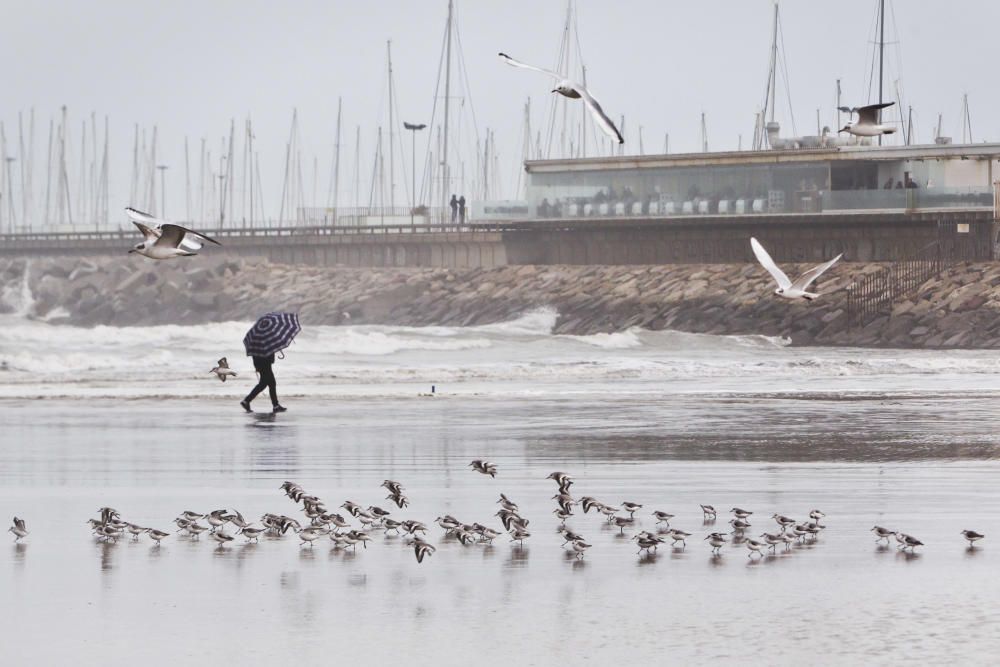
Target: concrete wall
[[728, 242], [705, 239]]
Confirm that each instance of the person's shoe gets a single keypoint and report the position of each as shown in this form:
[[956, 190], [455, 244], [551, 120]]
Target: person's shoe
[[280, 408], [246, 405]]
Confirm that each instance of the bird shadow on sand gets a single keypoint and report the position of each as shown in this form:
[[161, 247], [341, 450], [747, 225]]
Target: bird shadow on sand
[[972, 552]]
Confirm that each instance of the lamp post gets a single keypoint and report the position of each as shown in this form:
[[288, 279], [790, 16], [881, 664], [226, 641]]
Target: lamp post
[[163, 190], [413, 128]]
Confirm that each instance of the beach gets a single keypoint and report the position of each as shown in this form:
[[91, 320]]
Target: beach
[[903, 439]]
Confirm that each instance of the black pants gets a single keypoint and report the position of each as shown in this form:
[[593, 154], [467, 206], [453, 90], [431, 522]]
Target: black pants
[[266, 381]]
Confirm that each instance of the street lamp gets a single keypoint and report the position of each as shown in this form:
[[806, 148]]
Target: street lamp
[[163, 190], [413, 128]]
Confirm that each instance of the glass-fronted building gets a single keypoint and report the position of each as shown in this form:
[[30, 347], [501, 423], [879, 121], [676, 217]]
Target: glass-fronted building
[[807, 181]]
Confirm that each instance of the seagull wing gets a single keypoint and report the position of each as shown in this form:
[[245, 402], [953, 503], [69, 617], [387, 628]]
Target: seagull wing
[[807, 278], [19, 523], [517, 63], [151, 234], [597, 112], [223, 363], [174, 236], [869, 114], [135, 215], [768, 263]]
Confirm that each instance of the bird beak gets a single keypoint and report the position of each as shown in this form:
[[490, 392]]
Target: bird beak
[[554, 90], [131, 251]]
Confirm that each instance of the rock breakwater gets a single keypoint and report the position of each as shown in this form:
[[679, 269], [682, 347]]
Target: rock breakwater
[[960, 308]]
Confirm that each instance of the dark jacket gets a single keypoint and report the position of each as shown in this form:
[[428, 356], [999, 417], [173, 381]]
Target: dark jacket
[[263, 362]]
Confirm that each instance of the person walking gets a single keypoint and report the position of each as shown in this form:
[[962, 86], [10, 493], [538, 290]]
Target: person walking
[[461, 210], [269, 335], [454, 208], [267, 381]]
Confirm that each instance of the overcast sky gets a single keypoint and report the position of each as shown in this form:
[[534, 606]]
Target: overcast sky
[[190, 67]]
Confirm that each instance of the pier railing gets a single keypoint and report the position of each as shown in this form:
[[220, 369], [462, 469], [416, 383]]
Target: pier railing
[[876, 293]]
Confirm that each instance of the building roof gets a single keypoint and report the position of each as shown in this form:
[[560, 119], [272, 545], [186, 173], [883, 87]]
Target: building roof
[[733, 158]]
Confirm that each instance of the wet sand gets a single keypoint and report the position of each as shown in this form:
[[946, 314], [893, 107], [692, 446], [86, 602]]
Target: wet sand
[[925, 464]]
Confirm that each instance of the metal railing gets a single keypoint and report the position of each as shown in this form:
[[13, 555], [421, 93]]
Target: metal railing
[[875, 294], [56, 238]]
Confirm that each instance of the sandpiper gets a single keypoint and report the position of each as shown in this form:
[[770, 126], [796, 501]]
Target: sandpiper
[[753, 547], [569, 535], [195, 529], [773, 539], [507, 503], [395, 488], [391, 524], [783, 521], [108, 533], [739, 525], [679, 536], [464, 536], [608, 511], [252, 533], [717, 540], [413, 527], [562, 514], [156, 535], [519, 535], [448, 522], [188, 515], [310, 535], [739, 513], [972, 536], [135, 530], [237, 520], [631, 508], [579, 546], [561, 478], [484, 467], [399, 499], [622, 522], [488, 535], [908, 542], [708, 512], [663, 517], [882, 533], [589, 503], [18, 529], [422, 549], [221, 537], [816, 515]]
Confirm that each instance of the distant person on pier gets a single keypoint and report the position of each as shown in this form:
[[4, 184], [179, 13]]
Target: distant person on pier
[[461, 209], [454, 208], [267, 381]]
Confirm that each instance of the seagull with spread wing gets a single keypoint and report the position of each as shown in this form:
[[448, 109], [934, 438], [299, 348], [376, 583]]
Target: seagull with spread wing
[[165, 240], [869, 121], [574, 91], [787, 288]]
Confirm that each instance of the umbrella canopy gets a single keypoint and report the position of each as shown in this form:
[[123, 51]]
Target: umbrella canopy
[[271, 333]]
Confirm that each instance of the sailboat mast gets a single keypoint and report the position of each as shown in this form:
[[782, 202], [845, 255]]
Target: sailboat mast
[[336, 163], [447, 101], [392, 125], [881, 56]]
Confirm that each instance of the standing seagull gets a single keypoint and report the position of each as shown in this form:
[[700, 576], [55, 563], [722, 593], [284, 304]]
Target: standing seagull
[[18, 529], [164, 240], [868, 124], [787, 288], [222, 370], [575, 91]]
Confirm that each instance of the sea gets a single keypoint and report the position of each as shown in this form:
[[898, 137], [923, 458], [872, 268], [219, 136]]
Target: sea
[[132, 418]]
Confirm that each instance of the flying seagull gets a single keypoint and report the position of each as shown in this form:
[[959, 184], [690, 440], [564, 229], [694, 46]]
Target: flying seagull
[[787, 288], [165, 240], [575, 91], [222, 370], [868, 124]]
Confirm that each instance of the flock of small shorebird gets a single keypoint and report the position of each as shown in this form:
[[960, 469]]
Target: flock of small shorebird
[[319, 522]]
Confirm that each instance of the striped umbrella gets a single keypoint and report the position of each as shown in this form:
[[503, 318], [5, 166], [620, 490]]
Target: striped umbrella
[[271, 333]]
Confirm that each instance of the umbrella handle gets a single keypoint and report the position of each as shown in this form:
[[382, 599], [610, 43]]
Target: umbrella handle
[[281, 354]]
